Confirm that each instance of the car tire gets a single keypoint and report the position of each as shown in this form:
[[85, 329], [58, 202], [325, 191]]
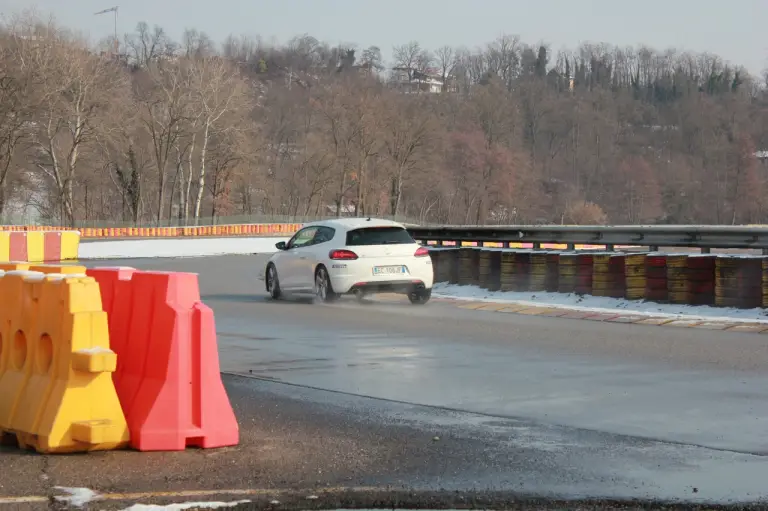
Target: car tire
[[273, 282], [420, 297], [323, 287]]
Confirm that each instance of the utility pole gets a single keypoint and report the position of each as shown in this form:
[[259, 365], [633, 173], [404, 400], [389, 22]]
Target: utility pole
[[112, 9]]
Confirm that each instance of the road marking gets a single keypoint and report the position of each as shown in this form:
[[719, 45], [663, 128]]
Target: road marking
[[257, 492], [23, 500], [493, 307]]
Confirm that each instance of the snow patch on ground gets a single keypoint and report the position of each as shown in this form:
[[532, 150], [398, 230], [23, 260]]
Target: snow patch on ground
[[185, 247], [77, 497], [186, 505], [600, 304]]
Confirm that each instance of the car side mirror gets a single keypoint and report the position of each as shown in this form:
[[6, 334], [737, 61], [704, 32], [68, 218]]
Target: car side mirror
[[280, 245]]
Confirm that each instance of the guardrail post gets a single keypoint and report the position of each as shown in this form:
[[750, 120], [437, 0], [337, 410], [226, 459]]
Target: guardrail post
[[609, 248], [706, 250]]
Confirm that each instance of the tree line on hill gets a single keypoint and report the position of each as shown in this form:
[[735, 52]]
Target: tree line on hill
[[151, 131]]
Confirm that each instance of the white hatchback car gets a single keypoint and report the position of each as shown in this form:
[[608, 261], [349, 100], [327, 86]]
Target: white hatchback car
[[351, 255]]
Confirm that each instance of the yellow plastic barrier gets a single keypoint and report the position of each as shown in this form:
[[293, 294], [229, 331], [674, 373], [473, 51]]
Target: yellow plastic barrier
[[5, 246], [56, 390], [70, 244], [35, 246]]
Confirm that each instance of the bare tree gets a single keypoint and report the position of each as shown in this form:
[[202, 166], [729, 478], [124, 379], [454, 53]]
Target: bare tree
[[196, 44], [147, 45], [409, 57], [75, 94], [165, 106], [446, 60], [371, 57], [407, 134], [219, 92], [16, 108]]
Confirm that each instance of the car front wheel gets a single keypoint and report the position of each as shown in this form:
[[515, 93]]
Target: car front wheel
[[273, 283], [420, 297]]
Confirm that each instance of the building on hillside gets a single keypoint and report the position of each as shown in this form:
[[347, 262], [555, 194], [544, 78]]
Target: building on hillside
[[411, 81]]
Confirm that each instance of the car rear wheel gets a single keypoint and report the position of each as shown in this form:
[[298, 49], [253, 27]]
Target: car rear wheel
[[420, 297], [323, 288], [273, 283]]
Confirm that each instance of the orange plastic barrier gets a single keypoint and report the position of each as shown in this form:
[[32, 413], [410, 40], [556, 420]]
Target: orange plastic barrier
[[167, 377], [156, 232]]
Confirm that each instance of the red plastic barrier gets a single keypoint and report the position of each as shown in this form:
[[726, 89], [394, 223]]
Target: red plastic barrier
[[18, 248], [52, 246], [167, 377]]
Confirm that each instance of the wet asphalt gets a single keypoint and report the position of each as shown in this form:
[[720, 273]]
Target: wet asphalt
[[388, 404]]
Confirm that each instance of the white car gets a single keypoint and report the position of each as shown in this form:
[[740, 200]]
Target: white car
[[351, 255]]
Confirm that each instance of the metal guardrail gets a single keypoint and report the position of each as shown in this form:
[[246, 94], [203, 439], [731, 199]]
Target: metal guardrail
[[703, 237]]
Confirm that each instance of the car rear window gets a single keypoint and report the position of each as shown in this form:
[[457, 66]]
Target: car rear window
[[378, 236]]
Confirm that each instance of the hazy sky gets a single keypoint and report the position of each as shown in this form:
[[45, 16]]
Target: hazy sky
[[734, 30]]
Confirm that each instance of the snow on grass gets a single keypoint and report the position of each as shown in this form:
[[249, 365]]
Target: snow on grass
[[176, 247], [600, 304]]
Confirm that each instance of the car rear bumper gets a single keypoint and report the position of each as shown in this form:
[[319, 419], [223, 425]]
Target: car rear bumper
[[347, 277], [388, 286]]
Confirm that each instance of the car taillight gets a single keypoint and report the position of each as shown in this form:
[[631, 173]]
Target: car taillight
[[342, 255], [422, 252]]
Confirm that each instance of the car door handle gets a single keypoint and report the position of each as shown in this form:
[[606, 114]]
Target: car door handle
[[302, 257]]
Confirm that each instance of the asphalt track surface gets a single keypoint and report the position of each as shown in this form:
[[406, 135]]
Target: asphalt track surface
[[390, 404]]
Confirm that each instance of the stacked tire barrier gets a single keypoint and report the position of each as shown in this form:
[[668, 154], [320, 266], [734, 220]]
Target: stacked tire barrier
[[701, 279], [515, 271], [39, 246], [489, 269], [139, 348], [764, 283], [677, 278], [691, 279], [608, 278], [635, 276], [656, 278], [738, 282], [544, 271], [575, 273], [469, 267]]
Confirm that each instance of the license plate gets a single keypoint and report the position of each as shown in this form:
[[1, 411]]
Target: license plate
[[389, 270]]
